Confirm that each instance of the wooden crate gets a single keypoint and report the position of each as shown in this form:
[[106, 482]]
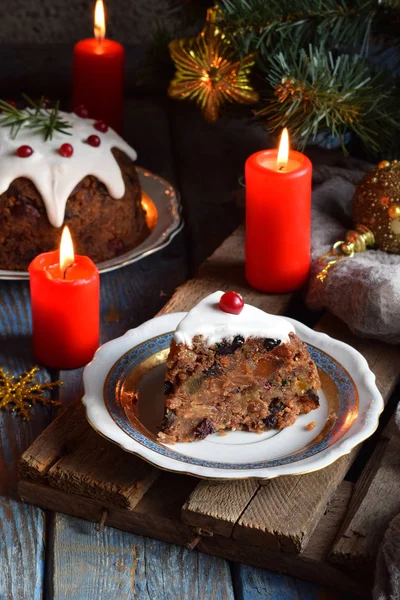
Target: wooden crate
[[315, 526]]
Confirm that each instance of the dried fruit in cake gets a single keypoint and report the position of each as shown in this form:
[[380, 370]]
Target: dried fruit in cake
[[228, 371]]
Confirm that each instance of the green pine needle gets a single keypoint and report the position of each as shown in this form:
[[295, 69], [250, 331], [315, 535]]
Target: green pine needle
[[36, 116], [314, 92], [257, 25]]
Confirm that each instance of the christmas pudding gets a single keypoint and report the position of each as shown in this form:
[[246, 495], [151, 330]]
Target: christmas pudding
[[60, 169], [232, 366]]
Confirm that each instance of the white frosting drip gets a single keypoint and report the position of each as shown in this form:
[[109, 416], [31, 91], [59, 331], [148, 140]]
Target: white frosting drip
[[208, 320], [54, 176]]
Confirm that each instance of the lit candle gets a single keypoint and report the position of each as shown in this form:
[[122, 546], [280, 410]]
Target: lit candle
[[98, 75], [65, 298], [278, 218]]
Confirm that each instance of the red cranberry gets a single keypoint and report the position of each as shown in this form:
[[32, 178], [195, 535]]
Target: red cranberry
[[11, 103], [231, 302], [82, 111], [101, 126], [94, 140], [24, 151], [66, 150]]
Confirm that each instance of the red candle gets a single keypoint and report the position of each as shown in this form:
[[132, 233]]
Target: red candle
[[65, 300], [98, 75], [278, 218]]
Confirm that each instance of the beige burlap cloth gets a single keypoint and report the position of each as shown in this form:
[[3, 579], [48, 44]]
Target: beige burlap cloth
[[364, 290]]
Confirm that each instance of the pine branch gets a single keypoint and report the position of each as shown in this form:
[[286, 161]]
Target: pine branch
[[314, 92], [36, 117], [257, 25]]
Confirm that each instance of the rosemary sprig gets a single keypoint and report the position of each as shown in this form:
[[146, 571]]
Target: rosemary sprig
[[36, 116]]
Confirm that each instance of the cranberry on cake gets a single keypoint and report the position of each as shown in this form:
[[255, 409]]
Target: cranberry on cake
[[232, 366], [62, 169]]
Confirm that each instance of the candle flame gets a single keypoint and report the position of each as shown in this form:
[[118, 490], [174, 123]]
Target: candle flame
[[283, 151], [99, 21], [67, 255]]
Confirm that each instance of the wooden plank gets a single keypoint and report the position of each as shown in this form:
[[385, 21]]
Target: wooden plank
[[158, 516], [21, 550], [118, 565], [283, 513], [74, 458], [251, 583], [60, 437], [16, 356], [376, 500], [217, 507], [312, 565], [21, 526], [98, 468], [325, 533]]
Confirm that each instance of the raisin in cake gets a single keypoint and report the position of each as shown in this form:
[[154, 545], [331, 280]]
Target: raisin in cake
[[92, 187], [235, 371]]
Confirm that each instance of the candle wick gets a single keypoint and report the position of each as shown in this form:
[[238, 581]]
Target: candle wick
[[65, 270], [282, 168]]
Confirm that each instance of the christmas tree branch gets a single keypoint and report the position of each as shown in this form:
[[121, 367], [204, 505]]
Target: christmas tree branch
[[256, 25], [314, 92]]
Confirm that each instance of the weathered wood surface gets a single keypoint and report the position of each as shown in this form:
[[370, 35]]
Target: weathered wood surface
[[376, 500], [113, 564], [22, 550], [74, 458], [311, 565], [21, 526], [221, 514], [258, 584], [158, 516]]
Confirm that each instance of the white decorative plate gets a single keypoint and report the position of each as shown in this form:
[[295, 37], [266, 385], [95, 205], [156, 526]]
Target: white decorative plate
[[350, 405], [163, 209]]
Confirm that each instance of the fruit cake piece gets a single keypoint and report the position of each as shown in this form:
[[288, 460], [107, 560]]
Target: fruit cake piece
[[232, 366]]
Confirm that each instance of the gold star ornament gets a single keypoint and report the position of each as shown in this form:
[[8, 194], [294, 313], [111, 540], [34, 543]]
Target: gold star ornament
[[20, 393], [207, 72]]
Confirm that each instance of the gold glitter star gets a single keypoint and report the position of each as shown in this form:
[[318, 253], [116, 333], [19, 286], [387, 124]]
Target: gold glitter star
[[207, 73], [20, 393]]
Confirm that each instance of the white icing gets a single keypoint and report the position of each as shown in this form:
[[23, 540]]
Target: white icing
[[54, 176], [208, 320]]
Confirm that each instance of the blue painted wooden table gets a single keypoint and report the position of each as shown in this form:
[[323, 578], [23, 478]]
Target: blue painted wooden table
[[46, 556]]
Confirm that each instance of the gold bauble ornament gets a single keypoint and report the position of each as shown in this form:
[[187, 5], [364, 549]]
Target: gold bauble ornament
[[207, 72], [377, 205], [376, 212]]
